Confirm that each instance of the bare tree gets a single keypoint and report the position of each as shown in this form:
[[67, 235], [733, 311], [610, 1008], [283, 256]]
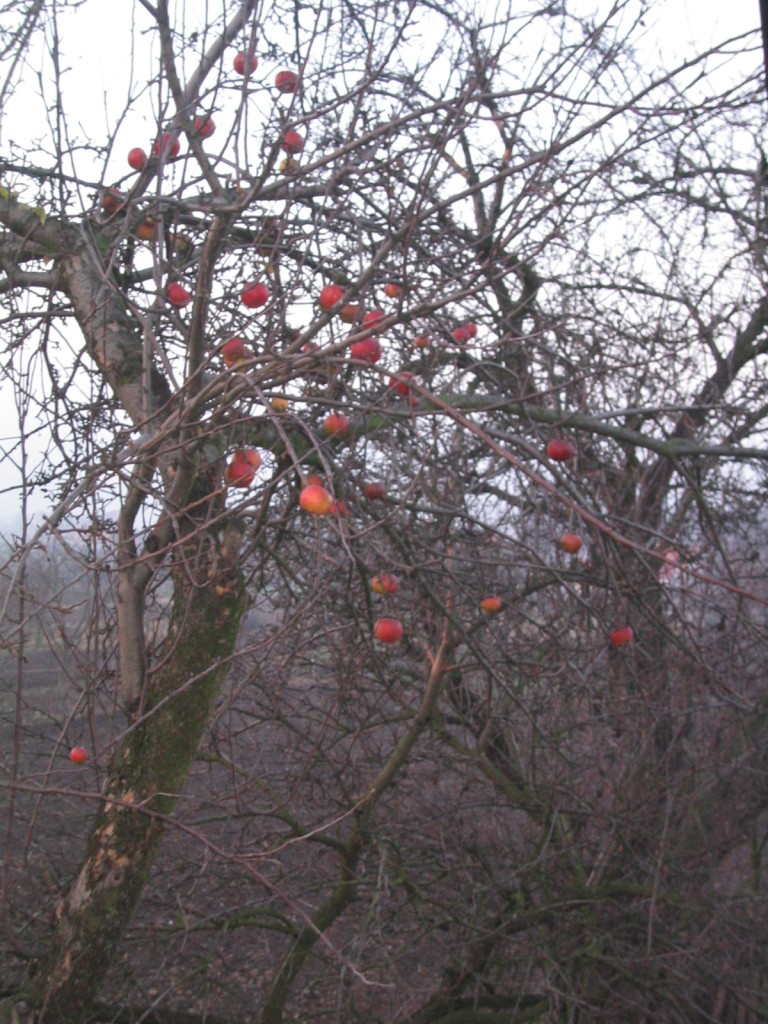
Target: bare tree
[[399, 408]]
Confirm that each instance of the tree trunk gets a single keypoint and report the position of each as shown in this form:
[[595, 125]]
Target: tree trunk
[[146, 777]]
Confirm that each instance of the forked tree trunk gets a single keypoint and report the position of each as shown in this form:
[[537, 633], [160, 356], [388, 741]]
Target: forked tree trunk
[[146, 777]]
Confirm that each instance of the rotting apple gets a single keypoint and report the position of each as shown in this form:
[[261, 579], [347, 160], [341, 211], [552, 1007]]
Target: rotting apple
[[147, 230], [388, 631], [374, 491], [349, 313], [112, 201], [286, 81]]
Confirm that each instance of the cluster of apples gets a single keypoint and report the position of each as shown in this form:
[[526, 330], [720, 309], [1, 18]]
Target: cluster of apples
[[560, 450], [317, 501]]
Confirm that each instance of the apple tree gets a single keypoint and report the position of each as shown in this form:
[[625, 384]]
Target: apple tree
[[384, 606]]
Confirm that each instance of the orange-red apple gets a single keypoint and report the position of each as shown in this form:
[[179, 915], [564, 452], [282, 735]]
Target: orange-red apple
[[388, 631], [316, 500], [336, 423], [386, 583]]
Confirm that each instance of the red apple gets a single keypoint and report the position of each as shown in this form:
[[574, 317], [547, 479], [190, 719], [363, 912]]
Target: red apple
[[167, 146], [112, 201], [329, 296], [491, 605], [622, 636], [177, 294], [234, 351], [204, 127], [241, 470], [387, 583], [286, 81], [239, 63], [367, 350], [460, 334], [254, 294], [560, 450], [421, 341], [78, 755], [392, 289], [336, 423], [471, 330], [137, 159], [292, 142], [316, 500], [374, 317], [571, 542], [400, 382], [374, 491], [388, 631]]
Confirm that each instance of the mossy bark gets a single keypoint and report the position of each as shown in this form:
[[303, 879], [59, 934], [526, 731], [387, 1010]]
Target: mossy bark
[[146, 777]]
